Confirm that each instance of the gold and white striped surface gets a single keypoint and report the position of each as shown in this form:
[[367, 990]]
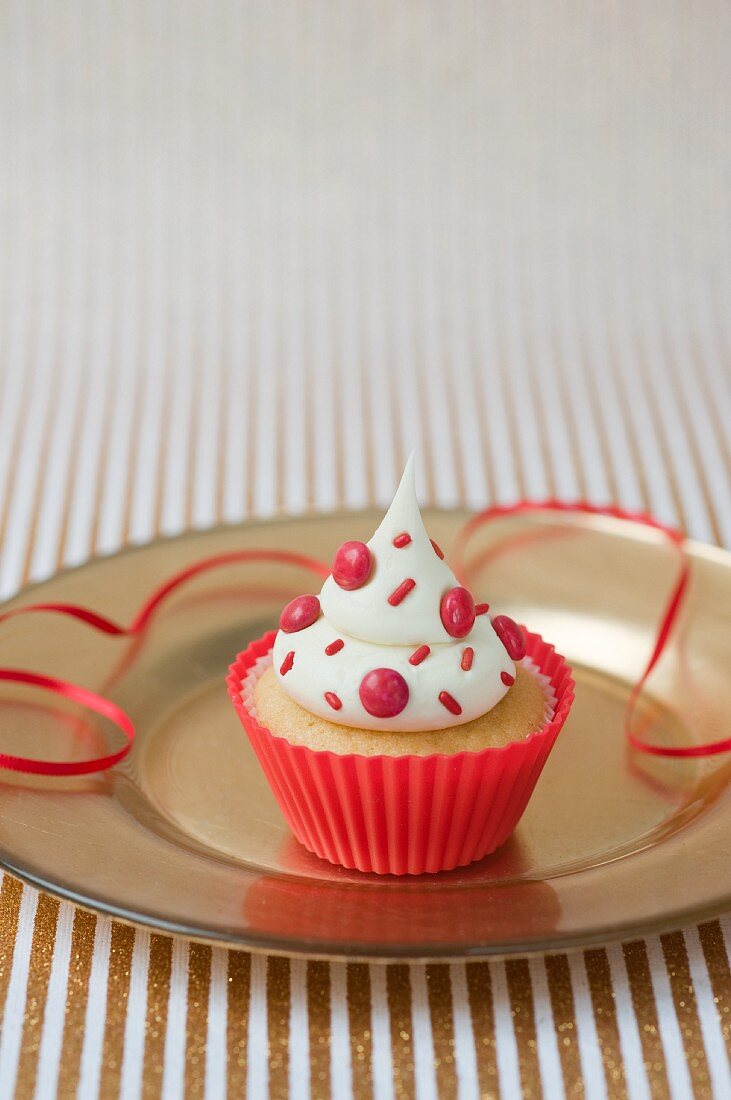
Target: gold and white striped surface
[[252, 253]]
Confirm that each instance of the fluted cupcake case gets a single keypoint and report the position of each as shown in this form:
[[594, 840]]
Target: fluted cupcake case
[[405, 814]]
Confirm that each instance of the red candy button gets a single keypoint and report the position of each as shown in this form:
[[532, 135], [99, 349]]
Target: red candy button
[[299, 613], [383, 692], [458, 612], [511, 636], [352, 565]]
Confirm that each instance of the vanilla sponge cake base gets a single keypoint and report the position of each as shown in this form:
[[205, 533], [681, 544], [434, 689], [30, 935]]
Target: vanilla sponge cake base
[[519, 713]]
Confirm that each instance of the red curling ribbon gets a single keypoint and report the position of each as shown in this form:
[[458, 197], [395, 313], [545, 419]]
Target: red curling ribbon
[[668, 618], [98, 703], [86, 698]]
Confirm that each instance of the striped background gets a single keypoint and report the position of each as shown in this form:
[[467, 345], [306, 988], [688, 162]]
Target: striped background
[[252, 253]]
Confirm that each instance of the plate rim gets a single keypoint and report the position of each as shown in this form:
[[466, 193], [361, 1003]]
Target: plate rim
[[330, 951]]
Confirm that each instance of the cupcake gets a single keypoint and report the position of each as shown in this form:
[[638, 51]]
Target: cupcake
[[401, 727]]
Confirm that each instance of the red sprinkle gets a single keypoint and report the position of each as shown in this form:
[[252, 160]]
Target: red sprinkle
[[482, 608], [401, 592], [334, 647], [449, 702], [457, 611], [436, 549], [507, 679], [299, 613], [352, 565], [402, 540], [510, 635], [419, 655], [332, 699], [287, 663], [467, 658], [383, 692]]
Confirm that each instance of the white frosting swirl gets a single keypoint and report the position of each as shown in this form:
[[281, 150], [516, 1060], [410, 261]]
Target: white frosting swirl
[[377, 634]]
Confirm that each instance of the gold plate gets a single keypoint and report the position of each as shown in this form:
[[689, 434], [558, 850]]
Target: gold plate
[[186, 837]]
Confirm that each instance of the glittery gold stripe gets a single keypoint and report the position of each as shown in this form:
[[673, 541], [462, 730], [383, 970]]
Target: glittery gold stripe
[[479, 987], [530, 396], [561, 993], [366, 399], [605, 1020], [318, 1015], [279, 452], [15, 453], [39, 971], [278, 1008], [520, 990], [454, 432], [439, 988], [695, 455], [199, 983], [72, 459], [237, 1021], [681, 984], [500, 376], [36, 494], [391, 407], [110, 400], [662, 442], [710, 406], [11, 895], [222, 433], [162, 429], [599, 422], [717, 962], [635, 452], [193, 417], [643, 1002], [359, 1018], [251, 438], [394, 404], [338, 434], [426, 450], [478, 374], [77, 993], [569, 415], [121, 948], [156, 1018], [310, 415], [133, 451], [398, 991]]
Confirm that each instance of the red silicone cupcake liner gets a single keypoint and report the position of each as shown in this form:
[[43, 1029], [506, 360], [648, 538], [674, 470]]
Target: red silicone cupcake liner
[[405, 815]]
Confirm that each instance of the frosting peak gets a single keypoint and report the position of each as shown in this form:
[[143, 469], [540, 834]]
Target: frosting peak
[[393, 641], [388, 610]]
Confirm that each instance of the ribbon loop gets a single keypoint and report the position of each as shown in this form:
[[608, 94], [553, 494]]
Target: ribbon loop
[[98, 703], [668, 618], [89, 699]]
